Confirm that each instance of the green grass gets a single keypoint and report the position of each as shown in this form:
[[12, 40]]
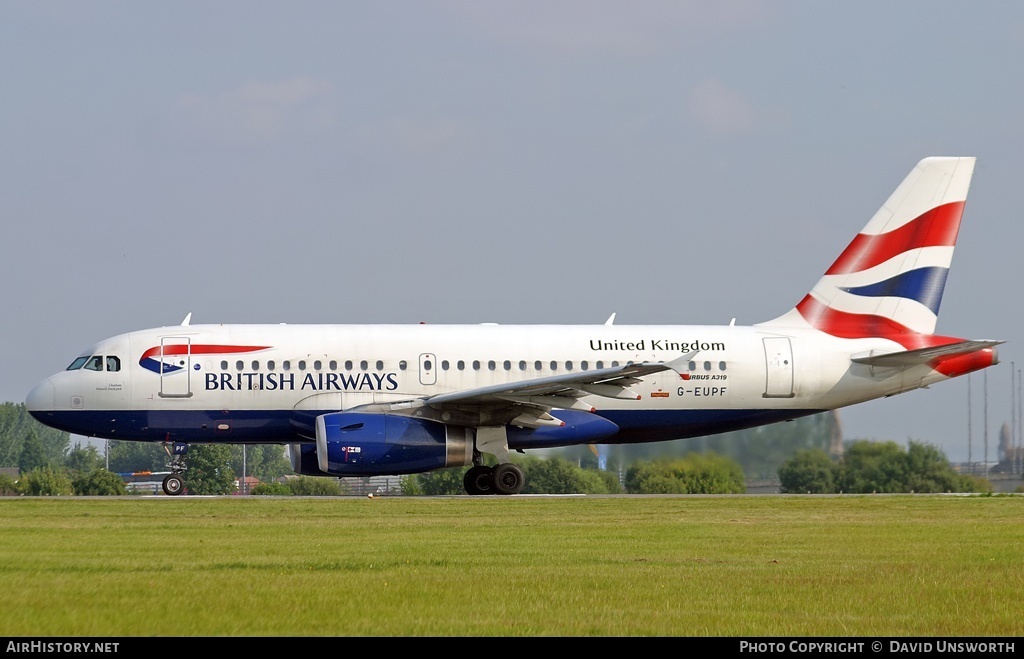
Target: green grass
[[906, 565]]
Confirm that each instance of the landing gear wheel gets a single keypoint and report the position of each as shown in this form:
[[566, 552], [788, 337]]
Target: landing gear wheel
[[508, 479], [478, 480], [173, 485]]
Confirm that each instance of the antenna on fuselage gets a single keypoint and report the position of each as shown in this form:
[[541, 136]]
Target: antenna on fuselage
[[187, 320]]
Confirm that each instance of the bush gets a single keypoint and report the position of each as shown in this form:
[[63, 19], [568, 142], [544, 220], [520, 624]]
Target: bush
[[697, 473], [810, 471], [8, 486], [315, 486], [46, 481], [272, 489], [99, 482]]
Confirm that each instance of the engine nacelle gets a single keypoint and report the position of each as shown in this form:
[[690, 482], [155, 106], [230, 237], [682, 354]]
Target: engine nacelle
[[361, 444], [303, 459]]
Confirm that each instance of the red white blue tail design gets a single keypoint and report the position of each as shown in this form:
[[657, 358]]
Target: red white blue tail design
[[888, 282]]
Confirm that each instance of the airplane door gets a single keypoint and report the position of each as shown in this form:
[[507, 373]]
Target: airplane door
[[778, 354], [175, 367], [428, 366]]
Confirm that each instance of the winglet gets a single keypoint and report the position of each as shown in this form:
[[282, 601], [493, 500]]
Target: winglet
[[611, 319], [187, 320]]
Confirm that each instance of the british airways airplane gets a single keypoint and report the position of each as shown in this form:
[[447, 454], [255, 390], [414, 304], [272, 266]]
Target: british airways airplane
[[351, 400]]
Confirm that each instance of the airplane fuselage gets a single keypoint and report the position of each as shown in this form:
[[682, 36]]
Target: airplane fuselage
[[267, 383]]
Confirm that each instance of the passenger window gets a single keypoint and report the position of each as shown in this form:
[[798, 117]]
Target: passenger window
[[491, 365], [255, 365], [568, 366], [507, 365], [77, 364], [554, 366], [239, 365], [317, 365], [584, 365], [302, 364], [537, 365], [444, 365], [286, 365], [461, 365], [113, 363], [522, 365], [270, 365], [332, 365], [348, 364], [707, 366], [224, 365], [721, 366], [402, 365], [428, 365], [476, 364], [95, 363], [363, 365], [380, 365]]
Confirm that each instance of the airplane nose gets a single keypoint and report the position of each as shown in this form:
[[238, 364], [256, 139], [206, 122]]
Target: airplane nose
[[40, 399]]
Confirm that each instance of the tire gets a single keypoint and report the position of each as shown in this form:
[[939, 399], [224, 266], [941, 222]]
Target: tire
[[173, 485], [508, 479], [479, 480]]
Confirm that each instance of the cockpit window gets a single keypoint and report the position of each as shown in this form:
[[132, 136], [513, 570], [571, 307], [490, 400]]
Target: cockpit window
[[113, 363], [77, 364], [94, 363]]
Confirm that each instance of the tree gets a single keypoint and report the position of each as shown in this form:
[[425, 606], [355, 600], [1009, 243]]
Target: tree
[[32, 456], [809, 471], [208, 469], [84, 459], [265, 462], [130, 457], [98, 482], [15, 422]]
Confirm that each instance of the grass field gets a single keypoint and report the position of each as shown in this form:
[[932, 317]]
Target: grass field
[[903, 565]]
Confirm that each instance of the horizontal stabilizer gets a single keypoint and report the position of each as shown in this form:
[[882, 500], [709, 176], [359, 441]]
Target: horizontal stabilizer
[[906, 358]]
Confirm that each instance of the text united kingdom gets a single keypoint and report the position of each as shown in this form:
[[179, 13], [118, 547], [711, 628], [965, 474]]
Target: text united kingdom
[[656, 344]]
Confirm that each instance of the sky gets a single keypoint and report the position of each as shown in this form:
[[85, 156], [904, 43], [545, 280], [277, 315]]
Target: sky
[[511, 162]]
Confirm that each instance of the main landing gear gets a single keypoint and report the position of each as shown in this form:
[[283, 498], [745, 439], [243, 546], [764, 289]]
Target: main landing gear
[[173, 483], [503, 479]]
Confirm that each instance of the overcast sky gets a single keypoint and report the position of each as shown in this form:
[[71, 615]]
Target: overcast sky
[[511, 162]]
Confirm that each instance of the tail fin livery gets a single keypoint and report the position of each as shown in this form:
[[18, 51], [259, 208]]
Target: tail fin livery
[[889, 281]]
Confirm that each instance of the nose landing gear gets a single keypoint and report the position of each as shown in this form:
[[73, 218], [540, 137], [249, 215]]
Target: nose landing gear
[[174, 484]]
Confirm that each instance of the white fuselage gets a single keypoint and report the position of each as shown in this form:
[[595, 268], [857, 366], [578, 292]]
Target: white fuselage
[[263, 383]]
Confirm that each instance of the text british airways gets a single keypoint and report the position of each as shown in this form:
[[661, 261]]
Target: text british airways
[[307, 382]]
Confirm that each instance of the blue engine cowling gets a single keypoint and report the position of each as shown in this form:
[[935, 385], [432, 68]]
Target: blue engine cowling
[[358, 444]]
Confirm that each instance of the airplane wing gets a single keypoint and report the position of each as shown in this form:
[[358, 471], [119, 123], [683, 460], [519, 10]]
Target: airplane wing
[[907, 358], [529, 402]]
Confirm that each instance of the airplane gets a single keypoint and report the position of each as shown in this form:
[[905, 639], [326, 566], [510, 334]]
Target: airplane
[[376, 399]]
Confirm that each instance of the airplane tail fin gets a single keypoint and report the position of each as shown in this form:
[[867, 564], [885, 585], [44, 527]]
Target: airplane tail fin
[[889, 281]]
